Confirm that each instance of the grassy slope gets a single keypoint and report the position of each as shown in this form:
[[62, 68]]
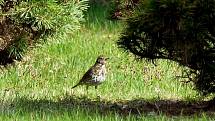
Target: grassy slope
[[39, 87]]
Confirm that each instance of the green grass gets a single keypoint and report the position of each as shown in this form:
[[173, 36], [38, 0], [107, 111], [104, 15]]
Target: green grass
[[39, 87]]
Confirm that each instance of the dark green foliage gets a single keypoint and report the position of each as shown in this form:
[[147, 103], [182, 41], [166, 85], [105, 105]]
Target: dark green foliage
[[18, 48], [178, 30], [24, 22]]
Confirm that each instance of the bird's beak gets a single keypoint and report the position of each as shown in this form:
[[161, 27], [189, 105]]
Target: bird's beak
[[107, 58]]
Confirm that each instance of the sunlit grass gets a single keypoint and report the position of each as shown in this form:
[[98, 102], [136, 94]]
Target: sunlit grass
[[49, 71]]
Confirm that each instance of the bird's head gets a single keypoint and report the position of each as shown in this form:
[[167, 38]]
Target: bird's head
[[101, 59]]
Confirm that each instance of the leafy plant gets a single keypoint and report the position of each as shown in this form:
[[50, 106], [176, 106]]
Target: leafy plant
[[178, 30], [36, 19], [49, 15]]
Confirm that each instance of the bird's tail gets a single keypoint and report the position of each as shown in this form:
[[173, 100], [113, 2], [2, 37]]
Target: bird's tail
[[75, 86]]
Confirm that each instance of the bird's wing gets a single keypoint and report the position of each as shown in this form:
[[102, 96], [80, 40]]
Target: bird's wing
[[87, 76], [94, 70]]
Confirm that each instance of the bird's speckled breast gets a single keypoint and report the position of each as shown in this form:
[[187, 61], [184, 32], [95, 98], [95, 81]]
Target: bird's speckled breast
[[98, 79]]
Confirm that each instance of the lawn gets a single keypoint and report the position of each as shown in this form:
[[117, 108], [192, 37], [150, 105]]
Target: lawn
[[39, 86]]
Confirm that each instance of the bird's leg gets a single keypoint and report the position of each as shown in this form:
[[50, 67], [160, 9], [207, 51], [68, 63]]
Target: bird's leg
[[87, 87], [98, 96]]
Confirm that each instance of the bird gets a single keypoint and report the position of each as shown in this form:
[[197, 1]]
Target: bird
[[95, 75]]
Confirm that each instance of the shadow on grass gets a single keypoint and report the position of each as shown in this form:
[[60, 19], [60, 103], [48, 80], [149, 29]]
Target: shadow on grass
[[124, 108]]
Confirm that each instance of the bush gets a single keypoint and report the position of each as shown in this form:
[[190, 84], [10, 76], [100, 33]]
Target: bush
[[32, 19], [178, 30]]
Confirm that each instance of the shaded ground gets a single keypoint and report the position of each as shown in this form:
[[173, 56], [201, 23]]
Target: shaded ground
[[124, 107]]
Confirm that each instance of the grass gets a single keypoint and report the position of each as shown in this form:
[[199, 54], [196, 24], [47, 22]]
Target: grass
[[39, 87]]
